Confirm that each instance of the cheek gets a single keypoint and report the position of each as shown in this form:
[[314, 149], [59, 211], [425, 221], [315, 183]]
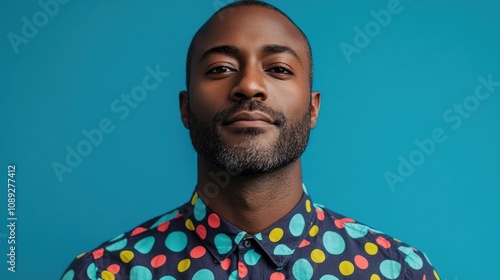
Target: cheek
[[205, 102]]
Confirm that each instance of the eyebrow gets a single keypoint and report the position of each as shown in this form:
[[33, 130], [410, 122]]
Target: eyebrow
[[233, 51]]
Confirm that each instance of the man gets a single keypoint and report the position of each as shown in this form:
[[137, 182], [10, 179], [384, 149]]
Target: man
[[249, 109]]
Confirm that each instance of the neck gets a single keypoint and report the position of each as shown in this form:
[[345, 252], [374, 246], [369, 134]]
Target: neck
[[252, 202]]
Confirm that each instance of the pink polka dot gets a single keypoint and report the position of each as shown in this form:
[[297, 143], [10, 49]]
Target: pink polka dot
[[361, 262], [213, 220], [242, 270], [98, 253], [201, 231], [138, 230], [424, 278], [320, 214], [304, 243], [114, 268], [158, 261], [277, 276], [197, 252], [163, 226], [383, 242], [225, 264]]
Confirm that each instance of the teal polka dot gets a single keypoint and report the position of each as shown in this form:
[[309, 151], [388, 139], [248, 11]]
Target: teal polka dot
[[356, 230], [233, 275], [223, 243], [164, 218], [328, 277], [167, 278], [68, 275], [412, 259], [176, 241], [251, 257], [333, 242], [390, 269], [297, 224], [139, 272], [302, 270], [258, 236], [282, 250], [200, 210], [118, 245], [92, 271], [145, 245], [240, 236], [118, 237], [203, 274]]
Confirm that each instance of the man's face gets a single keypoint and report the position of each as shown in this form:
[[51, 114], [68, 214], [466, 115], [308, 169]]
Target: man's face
[[249, 106]]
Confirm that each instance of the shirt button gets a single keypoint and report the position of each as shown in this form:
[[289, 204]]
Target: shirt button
[[247, 243]]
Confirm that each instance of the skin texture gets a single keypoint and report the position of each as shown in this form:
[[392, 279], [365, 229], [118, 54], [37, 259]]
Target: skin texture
[[278, 80]]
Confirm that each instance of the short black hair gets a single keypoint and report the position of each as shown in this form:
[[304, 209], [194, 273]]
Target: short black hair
[[245, 3]]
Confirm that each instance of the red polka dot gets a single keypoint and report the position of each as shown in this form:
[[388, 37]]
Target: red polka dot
[[225, 264], [320, 214], [114, 268], [361, 262], [98, 253], [201, 231], [304, 243], [383, 242], [163, 226], [197, 252], [424, 278], [339, 223], [213, 220], [138, 230], [277, 276], [242, 270], [178, 215], [158, 261]]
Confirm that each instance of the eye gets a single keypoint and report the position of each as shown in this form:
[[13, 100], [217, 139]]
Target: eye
[[220, 69], [280, 70]]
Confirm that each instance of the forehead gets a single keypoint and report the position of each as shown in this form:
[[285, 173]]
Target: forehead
[[250, 27]]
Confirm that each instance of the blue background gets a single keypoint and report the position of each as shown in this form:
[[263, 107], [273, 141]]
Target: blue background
[[375, 104]]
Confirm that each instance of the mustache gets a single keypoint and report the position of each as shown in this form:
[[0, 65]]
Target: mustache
[[249, 105]]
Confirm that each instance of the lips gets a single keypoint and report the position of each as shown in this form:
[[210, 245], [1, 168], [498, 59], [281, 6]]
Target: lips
[[249, 116]]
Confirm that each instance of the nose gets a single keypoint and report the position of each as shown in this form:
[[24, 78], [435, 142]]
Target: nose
[[249, 85]]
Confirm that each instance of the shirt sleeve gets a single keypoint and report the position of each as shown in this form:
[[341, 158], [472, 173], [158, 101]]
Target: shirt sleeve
[[417, 265], [82, 268]]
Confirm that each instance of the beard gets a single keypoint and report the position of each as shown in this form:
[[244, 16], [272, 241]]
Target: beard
[[250, 156]]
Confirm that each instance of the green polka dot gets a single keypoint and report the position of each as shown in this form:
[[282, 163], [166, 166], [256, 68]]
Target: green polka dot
[[68, 275], [233, 275], [164, 218], [223, 243], [328, 277], [92, 271], [203, 274], [176, 241], [302, 270], [282, 250], [297, 225], [118, 245], [390, 269], [145, 245], [356, 230], [251, 257], [139, 272], [412, 259], [200, 210], [333, 242]]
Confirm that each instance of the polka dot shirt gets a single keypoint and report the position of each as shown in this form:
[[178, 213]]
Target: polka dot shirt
[[310, 242]]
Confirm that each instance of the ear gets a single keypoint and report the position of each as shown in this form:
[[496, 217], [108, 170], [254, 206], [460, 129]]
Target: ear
[[315, 104], [184, 107]]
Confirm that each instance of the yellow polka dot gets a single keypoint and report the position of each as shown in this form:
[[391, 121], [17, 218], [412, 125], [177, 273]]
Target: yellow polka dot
[[276, 234], [126, 256], [371, 248], [375, 277], [308, 206], [194, 198], [314, 231], [397, 240], [81, 255], [189, 224], [317, 256], [436, 275], [107, 275], [346, 268], [183, 265]]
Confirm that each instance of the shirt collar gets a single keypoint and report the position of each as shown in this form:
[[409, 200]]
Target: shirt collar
[[279, 241]]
